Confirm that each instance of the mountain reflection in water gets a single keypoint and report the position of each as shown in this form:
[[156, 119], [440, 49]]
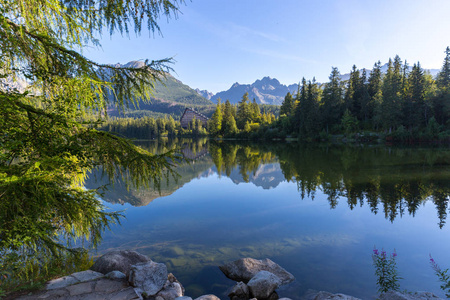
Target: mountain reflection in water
[[317, 211], [391, 181]]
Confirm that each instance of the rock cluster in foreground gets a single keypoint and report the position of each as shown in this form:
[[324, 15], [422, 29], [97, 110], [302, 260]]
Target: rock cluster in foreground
[[128, 275]]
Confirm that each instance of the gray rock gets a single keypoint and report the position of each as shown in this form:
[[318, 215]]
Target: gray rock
[[150, 277], [284, 298], [183, 298], [207, 297], [87, 275], [119, 260], [239, 292], [393, 295], [170, 291], [273, 296], [245, 268], [61, 282], [329, 296], [263, 284], [172, 279], [116, 275]]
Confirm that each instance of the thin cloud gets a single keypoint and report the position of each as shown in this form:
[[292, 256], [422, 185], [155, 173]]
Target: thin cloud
[[249, 31], [279, 55]]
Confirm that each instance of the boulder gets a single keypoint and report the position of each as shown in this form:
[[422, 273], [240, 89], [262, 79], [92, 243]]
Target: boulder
[[239, 292], [116, 275], [329, 296], [207, 297], [245, 268], [183, 298], [173, 279], [149, 277], [263, 284], [119, 260], [393, 295], [170, 291], [273, 296]]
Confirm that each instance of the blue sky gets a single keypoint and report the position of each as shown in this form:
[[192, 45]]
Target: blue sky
[[216, 43]]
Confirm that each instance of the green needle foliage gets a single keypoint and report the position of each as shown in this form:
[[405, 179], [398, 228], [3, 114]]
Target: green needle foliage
[[46, 149]]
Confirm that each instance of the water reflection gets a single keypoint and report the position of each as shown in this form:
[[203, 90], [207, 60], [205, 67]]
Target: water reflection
[[245, 200], [391, 181]]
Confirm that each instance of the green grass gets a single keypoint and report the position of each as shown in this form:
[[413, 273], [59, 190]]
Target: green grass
[[21, 276]]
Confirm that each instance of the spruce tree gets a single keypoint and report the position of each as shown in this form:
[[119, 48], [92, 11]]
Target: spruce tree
[[243, 114], [332, 101], [286, 106], [229, 122], [47, 149]]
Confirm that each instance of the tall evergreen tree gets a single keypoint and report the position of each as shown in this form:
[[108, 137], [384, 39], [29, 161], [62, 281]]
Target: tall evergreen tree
[[374, 88], [443, 78], [229, 123], [351, 93], [391, 104], [366, 111], [243, 114], [44, 160], [310, 119], [255, 112], [332, 100], [301, 98], [441, 101], [287, 105], [215, 123], [415, 112]]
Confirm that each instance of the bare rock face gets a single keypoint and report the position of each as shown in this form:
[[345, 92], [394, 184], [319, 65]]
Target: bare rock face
[[239, 292], [393, 295], [245, 268], [263, 284], [148, 277], [120, 260]]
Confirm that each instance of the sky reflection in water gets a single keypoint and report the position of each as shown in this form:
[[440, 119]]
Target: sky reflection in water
[[214, 219]]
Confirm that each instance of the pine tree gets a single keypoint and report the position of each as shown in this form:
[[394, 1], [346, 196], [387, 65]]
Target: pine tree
[[351, 94], [366, 111], [287, 105], [374, 88], [255, 112], [332, 100], [299, 113], [441, 101], [244, 112], [215, 124], [42, 200], [229, 122], [414, 109], [391, 103], [443, 78]]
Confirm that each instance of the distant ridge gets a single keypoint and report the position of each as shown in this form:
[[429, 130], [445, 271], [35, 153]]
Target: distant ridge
[[265, 91], [170, 96], [270, 91]]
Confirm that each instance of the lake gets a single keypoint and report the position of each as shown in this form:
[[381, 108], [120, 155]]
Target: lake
[[318, 211]]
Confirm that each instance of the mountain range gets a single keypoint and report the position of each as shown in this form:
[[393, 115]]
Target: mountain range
[[265, 91], [171, 96], [271, 91]]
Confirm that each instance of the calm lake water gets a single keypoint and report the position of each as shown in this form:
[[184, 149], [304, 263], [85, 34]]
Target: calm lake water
[[318, 211]]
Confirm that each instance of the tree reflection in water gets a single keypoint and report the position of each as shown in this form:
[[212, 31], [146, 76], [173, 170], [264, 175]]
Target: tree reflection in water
[[393, 181]]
